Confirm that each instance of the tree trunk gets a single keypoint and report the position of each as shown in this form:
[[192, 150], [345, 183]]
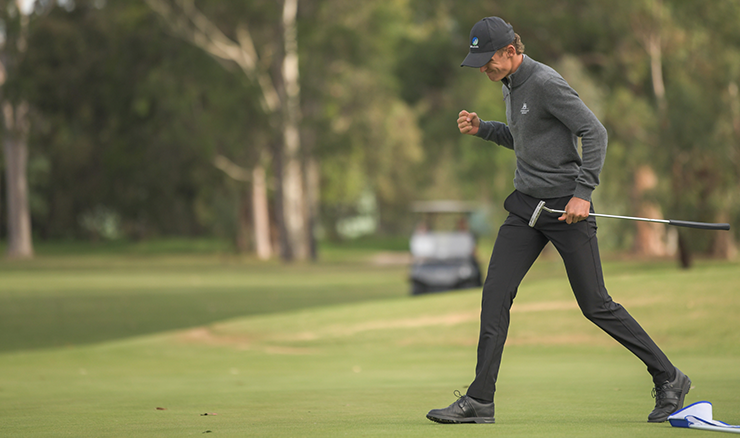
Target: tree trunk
[[732, 89], [293, 202], [253, 212], [20, 244], [685, 257], [286, 250], [15, 146], [261, 215], [312, 204], [723, 245], [650, 238], [244, 223], [653, 43], [293, 192]]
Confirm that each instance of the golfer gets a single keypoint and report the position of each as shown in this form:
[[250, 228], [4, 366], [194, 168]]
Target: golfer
[[544, 119]]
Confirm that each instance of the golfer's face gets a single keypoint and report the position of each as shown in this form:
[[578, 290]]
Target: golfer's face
[[498, 67]]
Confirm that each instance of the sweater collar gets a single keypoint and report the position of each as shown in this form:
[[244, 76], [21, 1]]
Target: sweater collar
[[521, 74]]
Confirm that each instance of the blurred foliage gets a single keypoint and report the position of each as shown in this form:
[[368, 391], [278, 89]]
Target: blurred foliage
[[127, 119]]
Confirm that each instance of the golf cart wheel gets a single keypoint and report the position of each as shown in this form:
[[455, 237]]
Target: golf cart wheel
[[418, 288]]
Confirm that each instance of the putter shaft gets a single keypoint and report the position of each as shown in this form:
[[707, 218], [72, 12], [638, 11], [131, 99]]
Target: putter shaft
[[688, 224], [644, 219]]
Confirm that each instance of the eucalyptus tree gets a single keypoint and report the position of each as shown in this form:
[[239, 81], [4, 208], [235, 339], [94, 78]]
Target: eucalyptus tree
[[229, 35], [15, 18]]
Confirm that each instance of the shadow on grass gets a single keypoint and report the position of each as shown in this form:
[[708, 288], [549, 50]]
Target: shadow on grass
[[73, 294], [32, 322]]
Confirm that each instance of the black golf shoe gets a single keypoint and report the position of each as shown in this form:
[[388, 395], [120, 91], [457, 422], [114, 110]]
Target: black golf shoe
[[669, 397], [464, 410]]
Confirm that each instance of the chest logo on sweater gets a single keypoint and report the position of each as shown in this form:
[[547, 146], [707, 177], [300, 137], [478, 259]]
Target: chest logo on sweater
[[525, 109]]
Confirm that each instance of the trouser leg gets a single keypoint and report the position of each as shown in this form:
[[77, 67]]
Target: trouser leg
[[578, 246], [517, 247]]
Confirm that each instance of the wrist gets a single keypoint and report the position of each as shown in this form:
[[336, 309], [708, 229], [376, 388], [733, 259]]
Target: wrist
[[583, 192]]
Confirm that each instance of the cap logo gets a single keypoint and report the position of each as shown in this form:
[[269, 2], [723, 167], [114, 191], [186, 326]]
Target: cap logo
[[474, 43]]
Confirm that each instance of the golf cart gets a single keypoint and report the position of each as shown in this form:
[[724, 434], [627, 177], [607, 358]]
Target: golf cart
[[443, 248]]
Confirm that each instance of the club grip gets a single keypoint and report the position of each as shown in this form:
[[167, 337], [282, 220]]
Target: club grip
[[700, 225]]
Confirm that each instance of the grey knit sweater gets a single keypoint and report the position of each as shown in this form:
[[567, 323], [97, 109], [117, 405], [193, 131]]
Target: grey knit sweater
[[545, 117]]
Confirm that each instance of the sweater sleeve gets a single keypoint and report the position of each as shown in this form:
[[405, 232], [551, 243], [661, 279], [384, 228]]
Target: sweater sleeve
[[496, 132], [565, 104]]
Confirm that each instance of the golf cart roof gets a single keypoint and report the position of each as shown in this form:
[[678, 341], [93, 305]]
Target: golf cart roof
[[443, 206]]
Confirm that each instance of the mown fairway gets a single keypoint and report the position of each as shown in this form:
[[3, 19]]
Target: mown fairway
[[93, 345]]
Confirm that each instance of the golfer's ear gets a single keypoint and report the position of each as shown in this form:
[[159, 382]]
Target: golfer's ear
[[510, 50]]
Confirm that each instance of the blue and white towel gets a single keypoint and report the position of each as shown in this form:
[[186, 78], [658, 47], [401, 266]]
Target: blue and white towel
[[699, 416]]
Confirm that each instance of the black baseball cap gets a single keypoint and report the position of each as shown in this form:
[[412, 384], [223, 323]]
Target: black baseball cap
[[486, 38]]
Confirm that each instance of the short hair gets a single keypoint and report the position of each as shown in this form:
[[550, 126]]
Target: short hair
[[517, 43]]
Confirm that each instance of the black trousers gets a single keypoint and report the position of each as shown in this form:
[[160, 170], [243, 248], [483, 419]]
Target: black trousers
[[517, 247]]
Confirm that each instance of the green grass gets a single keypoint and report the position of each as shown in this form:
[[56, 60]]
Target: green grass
[[338, 349], [78, 299]]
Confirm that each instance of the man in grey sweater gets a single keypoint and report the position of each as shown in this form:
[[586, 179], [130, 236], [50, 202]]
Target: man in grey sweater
[[545, 118]]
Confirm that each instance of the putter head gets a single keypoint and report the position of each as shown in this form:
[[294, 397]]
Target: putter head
[[536, 214]]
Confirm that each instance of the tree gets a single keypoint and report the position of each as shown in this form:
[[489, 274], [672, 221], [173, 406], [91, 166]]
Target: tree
[[281, 105], [16, 124], [253, 209], [650, 29], [367, 137]]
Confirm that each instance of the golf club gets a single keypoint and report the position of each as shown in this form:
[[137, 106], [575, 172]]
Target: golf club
[[701, 225]]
